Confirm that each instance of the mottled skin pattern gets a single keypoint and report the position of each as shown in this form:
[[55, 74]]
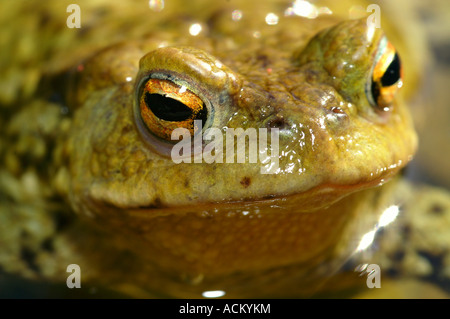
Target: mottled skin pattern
[[333, 136], [196, 227], [116, 175]]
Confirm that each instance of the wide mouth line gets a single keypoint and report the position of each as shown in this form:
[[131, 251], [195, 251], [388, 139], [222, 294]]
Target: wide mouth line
[[319, 193]]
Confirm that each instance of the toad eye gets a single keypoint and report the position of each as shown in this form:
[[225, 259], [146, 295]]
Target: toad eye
[[165, 106], [386, 78]]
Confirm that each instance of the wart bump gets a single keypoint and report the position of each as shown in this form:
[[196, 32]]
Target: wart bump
[[246, 181]]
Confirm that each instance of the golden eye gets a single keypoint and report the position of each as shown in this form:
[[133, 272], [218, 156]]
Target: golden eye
[[386, 76], [165, 106]]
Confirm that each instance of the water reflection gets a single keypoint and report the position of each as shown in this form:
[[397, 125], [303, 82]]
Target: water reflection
[[272, 19], [195, 29], [387, 217], [156, 5], [236, 15], [213, 294]]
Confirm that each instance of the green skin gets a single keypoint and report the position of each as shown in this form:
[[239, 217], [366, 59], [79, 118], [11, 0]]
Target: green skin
[[317, 146], [220, 221]]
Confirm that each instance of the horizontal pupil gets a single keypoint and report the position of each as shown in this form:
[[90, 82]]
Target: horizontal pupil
[[375, 92], [392, 74], [166, 108]]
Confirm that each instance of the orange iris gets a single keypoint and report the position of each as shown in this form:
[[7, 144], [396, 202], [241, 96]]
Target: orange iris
[[165, 106], [387, 77]]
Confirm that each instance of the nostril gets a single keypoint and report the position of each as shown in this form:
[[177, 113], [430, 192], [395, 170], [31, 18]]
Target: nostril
[[277, 122], [336, 118], [337, 110]]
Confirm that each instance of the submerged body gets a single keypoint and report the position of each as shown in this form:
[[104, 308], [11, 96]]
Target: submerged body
[[178, 229]]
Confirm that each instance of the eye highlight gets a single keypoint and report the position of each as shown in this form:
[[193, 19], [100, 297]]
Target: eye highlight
[[386, 77], [165, 106]]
